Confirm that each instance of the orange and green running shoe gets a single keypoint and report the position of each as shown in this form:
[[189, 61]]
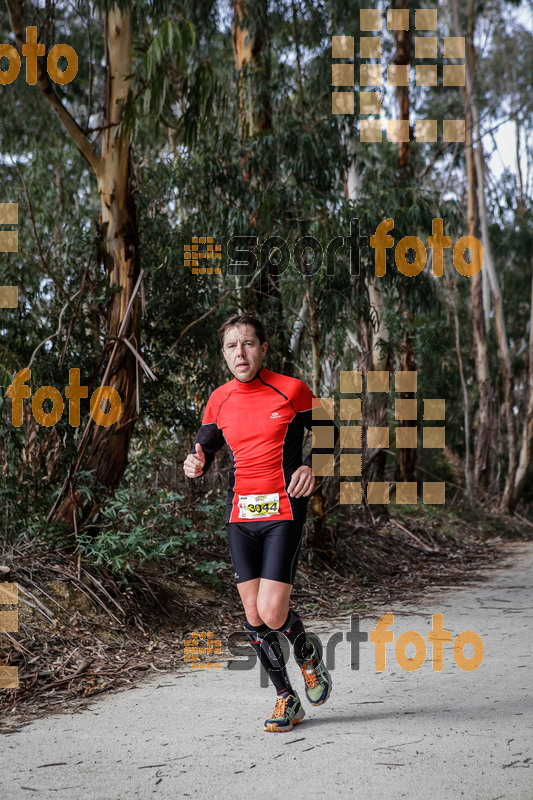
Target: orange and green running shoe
[[317, 678], [287, 712]]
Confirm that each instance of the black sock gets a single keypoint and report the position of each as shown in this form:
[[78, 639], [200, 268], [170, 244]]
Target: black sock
[[294, 630], [268, 648]]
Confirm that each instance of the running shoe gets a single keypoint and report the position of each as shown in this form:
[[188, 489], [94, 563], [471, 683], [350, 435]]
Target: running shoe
[[287, 712], [317, 678]]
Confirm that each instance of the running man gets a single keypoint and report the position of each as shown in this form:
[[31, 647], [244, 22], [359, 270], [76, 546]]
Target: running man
[[261, 416]]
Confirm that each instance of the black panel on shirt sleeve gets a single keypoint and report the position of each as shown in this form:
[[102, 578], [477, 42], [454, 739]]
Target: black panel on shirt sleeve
[[212, 439]]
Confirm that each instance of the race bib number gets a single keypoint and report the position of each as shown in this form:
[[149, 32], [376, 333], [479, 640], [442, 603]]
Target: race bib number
[[258, 506]]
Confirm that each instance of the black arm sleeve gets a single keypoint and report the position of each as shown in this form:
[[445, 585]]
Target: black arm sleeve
[[212, 439]]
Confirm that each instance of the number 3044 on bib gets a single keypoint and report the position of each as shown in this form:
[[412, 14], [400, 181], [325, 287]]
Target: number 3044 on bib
[[258, 506]]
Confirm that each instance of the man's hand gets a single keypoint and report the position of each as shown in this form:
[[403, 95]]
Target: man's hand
[[302, 482], [194, 463]]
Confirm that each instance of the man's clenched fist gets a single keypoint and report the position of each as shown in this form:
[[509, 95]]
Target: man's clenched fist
[[194, 463]]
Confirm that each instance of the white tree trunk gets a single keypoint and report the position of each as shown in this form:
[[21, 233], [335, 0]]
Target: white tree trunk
[[527, 435], [505, 359]]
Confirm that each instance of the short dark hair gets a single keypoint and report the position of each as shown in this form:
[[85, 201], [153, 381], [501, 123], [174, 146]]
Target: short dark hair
[[242, 319]]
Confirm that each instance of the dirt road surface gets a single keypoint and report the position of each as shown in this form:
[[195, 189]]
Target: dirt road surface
[[381, 735]]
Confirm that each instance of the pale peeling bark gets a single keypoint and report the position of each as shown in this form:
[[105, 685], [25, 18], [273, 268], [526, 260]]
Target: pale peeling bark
[[466, 401], [251, 50], [318, 533], [522, 205], [483, 428], [352, 185], [297, 330], [314, 334], [110, 446], [482, 452], [403, 57], [451, 300], [406, 456], [116, 213], [379, 336], [503, 345], [527, 434]]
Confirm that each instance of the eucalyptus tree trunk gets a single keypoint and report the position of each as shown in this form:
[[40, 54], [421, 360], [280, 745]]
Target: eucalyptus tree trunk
[[118, 224], [483, 427], [380, 360], [468, 460], [298, 328], [406, 457], [318, 538], [109, 446], [503, 345], [251, 50], [527, 434], [402, 57]]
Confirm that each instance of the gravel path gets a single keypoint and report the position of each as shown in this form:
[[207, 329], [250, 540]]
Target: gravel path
[[382, 735]]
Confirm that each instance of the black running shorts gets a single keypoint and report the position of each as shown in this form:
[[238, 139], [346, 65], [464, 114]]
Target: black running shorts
[[265, 549]]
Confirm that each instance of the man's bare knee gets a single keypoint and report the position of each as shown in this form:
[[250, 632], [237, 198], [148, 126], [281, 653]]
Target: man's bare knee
[[252, 616], [248, 592], [273, 615]]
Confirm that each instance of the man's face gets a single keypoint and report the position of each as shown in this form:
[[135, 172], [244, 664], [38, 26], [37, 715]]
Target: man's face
[[243, 352]]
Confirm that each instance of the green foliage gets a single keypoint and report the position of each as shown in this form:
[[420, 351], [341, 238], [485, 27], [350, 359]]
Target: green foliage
[[207, 572], [141, 524], [136, 527]]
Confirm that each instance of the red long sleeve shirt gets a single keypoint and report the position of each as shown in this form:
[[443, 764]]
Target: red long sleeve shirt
[[262, 421]]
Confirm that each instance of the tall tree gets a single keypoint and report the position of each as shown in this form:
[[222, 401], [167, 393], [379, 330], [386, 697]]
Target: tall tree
[[251, 49], [503, 344], [524, 463], [483, 428], [402, 57], [111, 168], [405, 467]]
